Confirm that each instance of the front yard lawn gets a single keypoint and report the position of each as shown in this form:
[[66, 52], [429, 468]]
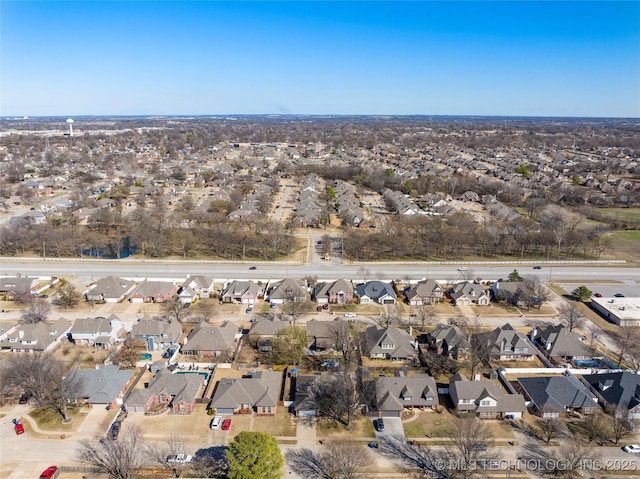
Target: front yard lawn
[[280, 425], [360, 427]]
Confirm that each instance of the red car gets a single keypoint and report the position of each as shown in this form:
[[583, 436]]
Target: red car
[[50, 472], [226, 424], [598, 295]]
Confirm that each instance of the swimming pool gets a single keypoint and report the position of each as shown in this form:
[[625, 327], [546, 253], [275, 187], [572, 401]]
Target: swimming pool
[[206, 375], [600, 363], [145, 356]]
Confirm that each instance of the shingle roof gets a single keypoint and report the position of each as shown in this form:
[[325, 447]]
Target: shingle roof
[[205, 337], [556, 393], [261, 390], [401, 342], [396, 393], [621, 388], [375, 290], [102, 386]]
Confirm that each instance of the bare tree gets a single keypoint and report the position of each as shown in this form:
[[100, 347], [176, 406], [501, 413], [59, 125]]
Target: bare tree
[[388, 316], [129, 352], [479, 348], [573, 459], [595, 426], [335, 396], [159, 453], [121, 459], [619, 425], [335, 461], [176, 309], [68, 296], [344, 344], [50, 384], [36, 311], [571, 317], [550, 427], [469, 437], [293, 308], [409, 457], [626, 338], [534, 291], [425, 313], [205, 309]]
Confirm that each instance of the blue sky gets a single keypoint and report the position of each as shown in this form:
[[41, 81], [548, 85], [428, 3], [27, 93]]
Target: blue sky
[[233, 57]]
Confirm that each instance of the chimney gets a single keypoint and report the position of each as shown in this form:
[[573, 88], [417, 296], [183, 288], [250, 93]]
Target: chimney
[[534, 332], [476, 377], [20, 333]]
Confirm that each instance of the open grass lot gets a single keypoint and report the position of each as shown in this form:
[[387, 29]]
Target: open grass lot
[[360, 427], [621, 214], [626, 245], [83, 357], [281, 425]]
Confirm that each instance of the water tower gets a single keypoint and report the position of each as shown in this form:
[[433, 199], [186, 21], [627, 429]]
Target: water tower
[[70, 121]]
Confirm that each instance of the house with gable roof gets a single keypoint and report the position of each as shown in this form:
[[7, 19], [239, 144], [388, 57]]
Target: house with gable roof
[[375, 291], [176, 392], [241, 292], [424, 292], [337, 292], [258, 393], [288, 290], [15, 287], [395, 394], [467, 293], [448, 341], [36, 337], [263, 331], [109, 289], [618, 389], [390, 343], [99, 332], [208, 340], [559, 344], [153, 292], [158, 333], [199, 287], [485, 399], [506, 344], [552, 396]]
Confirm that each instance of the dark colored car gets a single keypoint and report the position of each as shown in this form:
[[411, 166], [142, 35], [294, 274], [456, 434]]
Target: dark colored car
[[114, 430], [537, 267], [378, 424], [24, 398], [253, 267], [619, 295]]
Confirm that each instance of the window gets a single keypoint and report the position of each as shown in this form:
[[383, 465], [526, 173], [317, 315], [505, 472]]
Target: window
[[466, 401], [485, 402], [407, 398], [386, 346], [429, 398]]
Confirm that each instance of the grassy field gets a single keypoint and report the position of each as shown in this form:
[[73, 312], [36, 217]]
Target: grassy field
[[626, 245], [360, 427], [621, 214]]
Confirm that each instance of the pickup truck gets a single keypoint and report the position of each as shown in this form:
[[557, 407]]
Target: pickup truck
[[179, 458]]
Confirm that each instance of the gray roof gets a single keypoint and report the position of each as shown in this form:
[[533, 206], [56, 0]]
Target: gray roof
[[505, 339], [559, 341], [148, 289], [289, 289], [265, 327], [399, 342], [424, 289], [205, 337], [157, 327], [261, 390], [182, 387], [102, 386], [240, 288], [36, 336], [199, 282], [468, 289], [93, 325], [18, 284], [341, 285], [375, 290], [111, 287], [621, 388], [462, 388], [453, 336], [556, 393], [396, 393]]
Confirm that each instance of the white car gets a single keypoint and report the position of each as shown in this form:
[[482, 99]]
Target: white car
[[462, 268], [179, 458], [215, 422], [632, 449], [349, 315]]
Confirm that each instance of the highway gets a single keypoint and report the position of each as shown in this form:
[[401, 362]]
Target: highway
[[88, 269]]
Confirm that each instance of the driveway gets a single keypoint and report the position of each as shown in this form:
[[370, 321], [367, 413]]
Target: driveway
[[392, 427]]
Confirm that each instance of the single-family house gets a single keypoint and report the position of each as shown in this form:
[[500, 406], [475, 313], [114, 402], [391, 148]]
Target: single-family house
[[303, 406], [375, 291], [559, 344], [109, 289], [158, 333], [263, 331], [506, 344], [467, 293], [208, 340], [176, 392], [195, 287], [104, 386], [324, 335], [99, 332], [390, 343], [395, 394], [337, 292], [424, 292], [36, 337], [153, 292], [241, 292], [17, 287], [288, 290], [619, 390], [258, 392], [551, 396], [448, 341], [486, 399], [513, 292]]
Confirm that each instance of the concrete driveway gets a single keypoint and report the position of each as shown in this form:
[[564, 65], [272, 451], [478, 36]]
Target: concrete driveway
[[392, 427]]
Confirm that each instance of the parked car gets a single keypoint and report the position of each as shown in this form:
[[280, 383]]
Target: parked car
[[24, 398], [619, 295], [325, 306], [114, 430], [50, 472], [349, 315], [632, 449], [272, 305], [215, 422], [179, 459], [318, 308], [378, 424], [598, 295], [226, 424], [249, 309]]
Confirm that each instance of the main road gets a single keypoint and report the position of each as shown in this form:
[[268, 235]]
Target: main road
[[88, 269]]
